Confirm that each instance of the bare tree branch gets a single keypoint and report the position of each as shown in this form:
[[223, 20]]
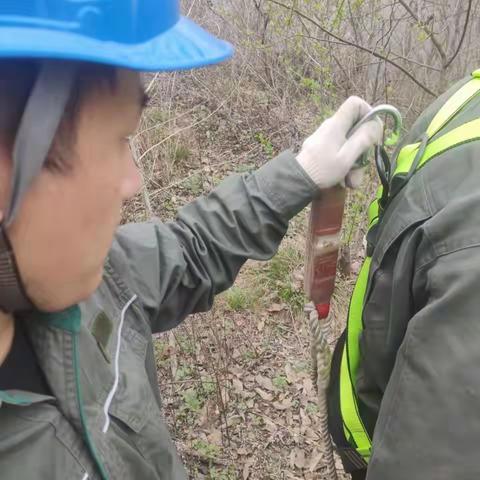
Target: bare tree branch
[[345, 73], [467, 19], [420, 64], [427, 30], [337, 42], [352, 44]]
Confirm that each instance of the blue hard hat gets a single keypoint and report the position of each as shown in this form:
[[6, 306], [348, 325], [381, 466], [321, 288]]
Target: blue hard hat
[[148, 35]]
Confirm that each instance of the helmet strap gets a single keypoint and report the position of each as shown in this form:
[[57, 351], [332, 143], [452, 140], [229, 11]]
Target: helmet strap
[[13, 297], [38, 127]]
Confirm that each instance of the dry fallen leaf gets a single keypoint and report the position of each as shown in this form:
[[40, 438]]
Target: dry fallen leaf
[[299, 458], [265, 382], [311, 434], [305, 421], [292, 376], [264, 395], [246, 468], [292, 459], [215, 437], [270, 426], [315, 460], [237, 371], [237, 385], [284, 405], [308, 387]]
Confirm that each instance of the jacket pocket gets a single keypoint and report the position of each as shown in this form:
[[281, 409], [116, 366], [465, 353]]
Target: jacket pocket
[[38, 442], [133, 401]]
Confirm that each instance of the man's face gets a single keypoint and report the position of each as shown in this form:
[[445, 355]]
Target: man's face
[[65, 225]]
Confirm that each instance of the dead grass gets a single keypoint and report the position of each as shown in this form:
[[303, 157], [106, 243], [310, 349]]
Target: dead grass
[[236, 381], [241, 403], [239, 399]]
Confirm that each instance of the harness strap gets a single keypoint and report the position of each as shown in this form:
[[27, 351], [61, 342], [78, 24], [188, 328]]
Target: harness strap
[[353, 426], [454, 104], [468, 132]]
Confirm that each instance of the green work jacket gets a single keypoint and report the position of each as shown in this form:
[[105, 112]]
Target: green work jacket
[[104, 418], [418, 381]]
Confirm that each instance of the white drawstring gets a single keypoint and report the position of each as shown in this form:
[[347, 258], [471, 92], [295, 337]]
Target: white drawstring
[[111, 394], [85, 477]]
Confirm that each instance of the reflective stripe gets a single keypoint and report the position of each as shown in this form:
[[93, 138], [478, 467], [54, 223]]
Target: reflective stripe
[[405, 158], [353, 425], [465, 133], [374, 207], [453, 105]]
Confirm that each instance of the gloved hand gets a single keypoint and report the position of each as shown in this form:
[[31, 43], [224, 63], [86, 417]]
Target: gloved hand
[[328, 156]]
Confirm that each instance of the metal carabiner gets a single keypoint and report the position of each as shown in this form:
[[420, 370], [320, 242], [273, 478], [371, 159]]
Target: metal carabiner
[[384, 109]]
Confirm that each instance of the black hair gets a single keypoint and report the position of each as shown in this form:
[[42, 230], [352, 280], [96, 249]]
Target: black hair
[[17, 78]]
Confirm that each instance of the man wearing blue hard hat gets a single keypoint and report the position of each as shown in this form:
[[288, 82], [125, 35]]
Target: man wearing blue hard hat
[[79, 297]]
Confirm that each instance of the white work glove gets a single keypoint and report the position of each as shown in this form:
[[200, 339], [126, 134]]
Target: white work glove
[[328, 156]]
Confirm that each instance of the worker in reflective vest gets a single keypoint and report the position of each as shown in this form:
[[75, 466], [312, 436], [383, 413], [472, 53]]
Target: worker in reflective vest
[[404, 395]]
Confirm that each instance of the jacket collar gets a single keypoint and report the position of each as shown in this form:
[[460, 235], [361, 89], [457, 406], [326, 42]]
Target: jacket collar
[[47, 332]]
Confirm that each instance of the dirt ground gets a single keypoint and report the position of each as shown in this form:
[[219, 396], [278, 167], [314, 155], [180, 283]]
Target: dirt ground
[[236, 381]]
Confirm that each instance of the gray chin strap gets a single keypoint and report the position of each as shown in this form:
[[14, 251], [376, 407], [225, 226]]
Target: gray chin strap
[[38, 126]]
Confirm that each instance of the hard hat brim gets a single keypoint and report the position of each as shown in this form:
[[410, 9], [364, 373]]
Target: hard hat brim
[[184, 46]]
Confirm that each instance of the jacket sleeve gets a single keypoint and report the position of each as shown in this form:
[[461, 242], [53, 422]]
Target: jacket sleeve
[[429, 421], [177, 268]]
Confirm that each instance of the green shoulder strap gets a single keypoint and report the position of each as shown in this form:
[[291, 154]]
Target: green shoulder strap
[[463, 134], [468, 132], [353, 425]]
